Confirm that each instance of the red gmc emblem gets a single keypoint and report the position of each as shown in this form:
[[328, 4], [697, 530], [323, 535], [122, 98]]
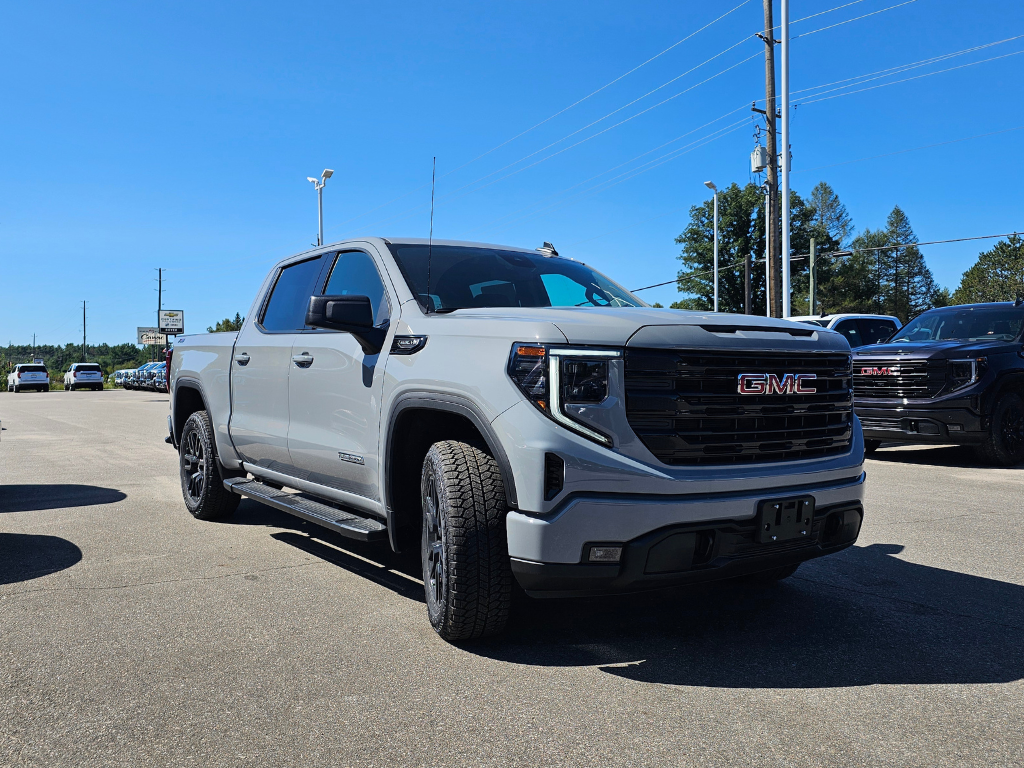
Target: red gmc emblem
[[879, 371], [771, 384]]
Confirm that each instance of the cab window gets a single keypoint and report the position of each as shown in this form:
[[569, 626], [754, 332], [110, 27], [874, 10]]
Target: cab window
[[850, 330], [289, 298], [874, 330], [355, 274]]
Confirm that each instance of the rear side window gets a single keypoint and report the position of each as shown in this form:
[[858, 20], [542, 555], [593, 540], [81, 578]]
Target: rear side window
[[355, 274], [289, 298], [874, 330], [850, 330]]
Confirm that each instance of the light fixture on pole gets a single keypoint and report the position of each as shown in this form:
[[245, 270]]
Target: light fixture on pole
[[785, 158], [319, 184], [711, 185]]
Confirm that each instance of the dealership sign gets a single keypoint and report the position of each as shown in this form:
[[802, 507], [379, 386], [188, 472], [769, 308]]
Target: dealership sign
[[172, 321], [151, 336]]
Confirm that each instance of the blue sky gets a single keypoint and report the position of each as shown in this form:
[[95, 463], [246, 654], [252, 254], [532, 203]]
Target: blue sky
[[144, 135]]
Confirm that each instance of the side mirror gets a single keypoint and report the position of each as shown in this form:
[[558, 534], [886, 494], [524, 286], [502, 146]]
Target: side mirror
[[349, 314]]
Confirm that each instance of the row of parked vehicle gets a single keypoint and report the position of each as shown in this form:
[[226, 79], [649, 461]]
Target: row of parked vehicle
[[151, 376], [34, 376]]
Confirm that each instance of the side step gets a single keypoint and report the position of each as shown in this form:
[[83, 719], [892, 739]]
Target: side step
[[337, 520]]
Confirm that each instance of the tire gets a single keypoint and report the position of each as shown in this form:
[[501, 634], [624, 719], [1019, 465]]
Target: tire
[[202, 485], [1004, 444], [467, 576], [17, 389], [870, 446]]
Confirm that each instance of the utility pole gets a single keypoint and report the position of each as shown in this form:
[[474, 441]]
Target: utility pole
[[786, 296], [812, 281], [772, 231], [159, 296], [84, 357]]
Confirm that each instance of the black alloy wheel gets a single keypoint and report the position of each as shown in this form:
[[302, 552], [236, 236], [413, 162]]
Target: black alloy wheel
[[435, 555], [202, 485], [1004, 445]]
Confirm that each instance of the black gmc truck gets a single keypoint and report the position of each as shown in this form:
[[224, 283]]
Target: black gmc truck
[[951, 375]]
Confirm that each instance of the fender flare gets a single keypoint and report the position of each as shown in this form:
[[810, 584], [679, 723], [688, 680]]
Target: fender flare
[[184, 382], [451, 403], [1007, 379]]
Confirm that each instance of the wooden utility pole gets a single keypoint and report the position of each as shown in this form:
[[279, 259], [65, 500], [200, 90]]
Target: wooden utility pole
[[84, 358], [773, 234]]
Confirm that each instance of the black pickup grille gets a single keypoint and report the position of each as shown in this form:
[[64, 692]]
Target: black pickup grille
[[686, 408], [895, 378]]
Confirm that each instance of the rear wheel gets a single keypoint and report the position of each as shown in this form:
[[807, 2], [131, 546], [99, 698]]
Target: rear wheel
[[202, 485], [1004, 444], [464, 548], [17, 388]]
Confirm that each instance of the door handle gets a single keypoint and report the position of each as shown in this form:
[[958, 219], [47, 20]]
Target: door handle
[[242, 358], [304, 360]]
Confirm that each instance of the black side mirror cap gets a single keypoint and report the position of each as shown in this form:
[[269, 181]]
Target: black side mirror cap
[[349, 314]]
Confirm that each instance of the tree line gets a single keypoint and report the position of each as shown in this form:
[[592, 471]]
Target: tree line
[[59, 358], [878, 271]]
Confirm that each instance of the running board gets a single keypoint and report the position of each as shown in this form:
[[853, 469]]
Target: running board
[[332, 518]]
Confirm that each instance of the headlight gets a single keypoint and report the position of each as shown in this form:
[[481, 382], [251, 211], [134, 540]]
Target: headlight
[[552, 376], [963, 373]]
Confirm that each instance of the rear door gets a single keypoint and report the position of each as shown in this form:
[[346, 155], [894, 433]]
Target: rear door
[[335, 388], [262, 363]]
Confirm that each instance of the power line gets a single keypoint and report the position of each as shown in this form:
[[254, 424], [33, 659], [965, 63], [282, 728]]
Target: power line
[[830, 254], [857, 18], [559, 112], [908, 79], [912, 149], [405, 214]]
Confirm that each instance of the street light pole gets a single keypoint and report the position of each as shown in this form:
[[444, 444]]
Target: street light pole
[[785, 159], [319, 184], [711, 185]]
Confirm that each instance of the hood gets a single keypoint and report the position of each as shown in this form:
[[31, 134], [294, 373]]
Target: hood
[[936, 350], [651, 327]]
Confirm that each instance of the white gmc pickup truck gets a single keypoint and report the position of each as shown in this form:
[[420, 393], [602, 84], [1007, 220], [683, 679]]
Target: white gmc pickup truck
[[518, 417]]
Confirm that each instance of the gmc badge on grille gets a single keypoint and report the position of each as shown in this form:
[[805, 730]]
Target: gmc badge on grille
[[772, 384], [879, 371]]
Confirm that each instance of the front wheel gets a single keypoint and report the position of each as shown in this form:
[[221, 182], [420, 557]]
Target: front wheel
[[1004, 444], [870, 446], [464, 548], [201, 483]]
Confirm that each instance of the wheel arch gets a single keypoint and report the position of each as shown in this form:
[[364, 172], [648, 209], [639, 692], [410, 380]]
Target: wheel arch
[[188, 398], [416, 421]]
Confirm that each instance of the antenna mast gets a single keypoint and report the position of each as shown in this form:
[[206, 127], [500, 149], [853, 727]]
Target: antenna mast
[[430, 239]]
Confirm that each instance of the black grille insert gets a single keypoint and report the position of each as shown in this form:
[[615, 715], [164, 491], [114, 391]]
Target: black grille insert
[[685, 407], [896, 378]]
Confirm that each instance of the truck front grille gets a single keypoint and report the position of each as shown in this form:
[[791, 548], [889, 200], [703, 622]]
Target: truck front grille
[[686, 408], [895, 378]]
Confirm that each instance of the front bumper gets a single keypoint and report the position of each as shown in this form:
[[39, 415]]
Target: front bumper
[[922, 425], [700, 538]]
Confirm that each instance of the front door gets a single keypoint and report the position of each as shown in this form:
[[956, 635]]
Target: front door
[[262, 363], [335, 389]]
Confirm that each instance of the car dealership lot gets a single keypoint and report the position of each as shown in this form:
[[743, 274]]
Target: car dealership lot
[[131, 634]]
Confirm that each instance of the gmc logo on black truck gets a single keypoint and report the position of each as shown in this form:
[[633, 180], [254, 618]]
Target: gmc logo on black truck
[[879, 371], [772, 384]]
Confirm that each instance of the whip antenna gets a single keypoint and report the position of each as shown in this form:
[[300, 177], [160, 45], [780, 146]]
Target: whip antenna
[[430, 239]]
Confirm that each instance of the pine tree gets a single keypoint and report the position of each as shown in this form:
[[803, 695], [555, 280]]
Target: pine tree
[[998, 275]]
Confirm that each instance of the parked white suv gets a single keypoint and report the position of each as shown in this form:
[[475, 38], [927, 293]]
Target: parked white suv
[[859, 330], [28, 376], [83, 376]]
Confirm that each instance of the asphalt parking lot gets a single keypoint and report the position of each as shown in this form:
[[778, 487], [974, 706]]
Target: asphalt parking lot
[[131, 634]]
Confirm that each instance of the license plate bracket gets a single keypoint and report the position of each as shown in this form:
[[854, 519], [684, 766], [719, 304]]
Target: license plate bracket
[[781, 520]]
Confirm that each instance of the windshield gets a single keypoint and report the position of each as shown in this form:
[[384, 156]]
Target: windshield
[[462, 277], [964, 324]]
